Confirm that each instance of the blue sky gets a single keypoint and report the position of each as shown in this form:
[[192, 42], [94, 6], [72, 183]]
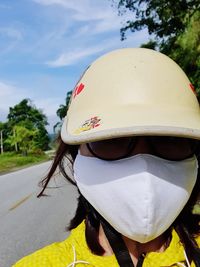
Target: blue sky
[[45, 45]]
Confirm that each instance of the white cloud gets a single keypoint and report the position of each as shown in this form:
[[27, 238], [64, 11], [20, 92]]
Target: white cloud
[[81, 27], [49, 105], [52, 119], [68, 4], [86, 10], [5, 90], [85, 51], [11, 37], [10, 95], [3, 115], [72, 57], [107, 25]]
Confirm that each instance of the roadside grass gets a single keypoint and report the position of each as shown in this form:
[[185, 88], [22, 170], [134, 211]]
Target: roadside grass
[[11, 161]]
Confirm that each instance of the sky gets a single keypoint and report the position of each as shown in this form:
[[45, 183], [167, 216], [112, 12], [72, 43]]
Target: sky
[[45, 45]]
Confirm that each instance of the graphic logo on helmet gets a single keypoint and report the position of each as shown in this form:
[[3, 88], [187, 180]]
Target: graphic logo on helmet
[[88, 125]]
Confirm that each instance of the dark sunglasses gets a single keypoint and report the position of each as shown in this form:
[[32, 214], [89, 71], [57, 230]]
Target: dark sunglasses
[[170, 148]]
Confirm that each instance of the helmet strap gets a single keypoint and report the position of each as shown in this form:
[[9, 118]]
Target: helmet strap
[[117, 244], [114, 238]]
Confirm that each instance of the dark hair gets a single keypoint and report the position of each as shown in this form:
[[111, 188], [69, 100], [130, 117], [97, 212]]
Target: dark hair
[[186, 225]]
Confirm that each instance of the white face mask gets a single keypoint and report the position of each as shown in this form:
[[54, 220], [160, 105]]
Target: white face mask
[[139, 196]]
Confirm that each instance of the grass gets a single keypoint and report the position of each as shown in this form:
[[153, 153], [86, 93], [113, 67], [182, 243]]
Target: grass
[[10, 161]]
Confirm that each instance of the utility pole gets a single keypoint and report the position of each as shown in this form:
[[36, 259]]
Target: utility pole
[[1, 140]]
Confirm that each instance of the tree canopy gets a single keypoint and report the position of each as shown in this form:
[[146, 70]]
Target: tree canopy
[[25, 128], [162, 18], [62, 110], [174, 27], [26, 113]]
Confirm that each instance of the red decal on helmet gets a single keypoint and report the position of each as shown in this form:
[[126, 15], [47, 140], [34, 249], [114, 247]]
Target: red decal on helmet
[[95, 122], [78, 89], [193, 89]]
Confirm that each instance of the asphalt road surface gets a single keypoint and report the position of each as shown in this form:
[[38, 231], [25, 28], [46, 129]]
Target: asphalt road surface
[[28, 223]]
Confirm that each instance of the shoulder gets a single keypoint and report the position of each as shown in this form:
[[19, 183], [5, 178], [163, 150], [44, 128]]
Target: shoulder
[[57, 254], [67, 253]]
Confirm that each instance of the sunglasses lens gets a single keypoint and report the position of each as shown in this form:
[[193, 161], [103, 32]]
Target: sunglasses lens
[[112, 149], [173, 148]]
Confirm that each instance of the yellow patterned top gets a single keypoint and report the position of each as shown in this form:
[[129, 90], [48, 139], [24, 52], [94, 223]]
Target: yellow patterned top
[[74, 252]]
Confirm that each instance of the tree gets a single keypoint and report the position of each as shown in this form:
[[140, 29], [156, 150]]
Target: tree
[[163, 18], [62, 110], [174, 26], [1, 125], [186, 50], [27, 116], [22, 139], [6, 131], [26, 113]]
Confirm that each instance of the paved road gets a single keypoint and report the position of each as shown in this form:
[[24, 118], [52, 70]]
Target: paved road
[[26, 222]]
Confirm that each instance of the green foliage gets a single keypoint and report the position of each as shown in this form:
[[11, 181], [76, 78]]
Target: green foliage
[[1, 125], [25, 128], [151, 45], [26, 114], [41, 138], [53, 140], [62, 110], [5, 132], [22, 139], [162, 18], [186, 50], [175, 27]]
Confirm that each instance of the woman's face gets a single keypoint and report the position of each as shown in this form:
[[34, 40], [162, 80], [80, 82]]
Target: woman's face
[[137, 189]]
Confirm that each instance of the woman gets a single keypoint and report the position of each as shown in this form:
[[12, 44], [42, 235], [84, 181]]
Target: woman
[[131, 139]]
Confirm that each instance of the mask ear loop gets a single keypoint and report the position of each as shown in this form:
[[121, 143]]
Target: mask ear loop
[[186, 258]]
